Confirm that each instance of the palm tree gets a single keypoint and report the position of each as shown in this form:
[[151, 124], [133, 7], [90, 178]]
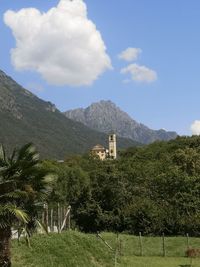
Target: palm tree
[[23, 187]]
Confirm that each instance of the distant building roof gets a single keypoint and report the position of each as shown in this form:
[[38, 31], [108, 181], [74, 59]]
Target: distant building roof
[[98, 148]]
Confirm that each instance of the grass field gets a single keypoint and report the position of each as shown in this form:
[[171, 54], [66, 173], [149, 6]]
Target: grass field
[[74, 249], [153, 251]]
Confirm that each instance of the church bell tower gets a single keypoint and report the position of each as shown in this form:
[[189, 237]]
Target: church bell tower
[[112, 146]]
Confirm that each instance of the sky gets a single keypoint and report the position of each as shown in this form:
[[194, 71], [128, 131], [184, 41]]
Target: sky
[[141, 54]]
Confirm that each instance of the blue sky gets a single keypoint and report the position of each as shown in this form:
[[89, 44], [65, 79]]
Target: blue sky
[[168, 34]]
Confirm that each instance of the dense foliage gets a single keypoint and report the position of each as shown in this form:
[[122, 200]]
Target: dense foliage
[[150, 189]]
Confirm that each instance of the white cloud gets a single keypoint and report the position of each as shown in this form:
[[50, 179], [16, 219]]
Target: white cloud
[[130, 54], [63, 45], [195, 127], [140, 73]]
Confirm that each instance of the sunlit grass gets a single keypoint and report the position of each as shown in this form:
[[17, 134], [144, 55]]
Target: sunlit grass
[[74, 249]]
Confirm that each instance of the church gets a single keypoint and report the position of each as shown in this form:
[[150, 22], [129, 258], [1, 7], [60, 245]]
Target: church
[[104, 153]]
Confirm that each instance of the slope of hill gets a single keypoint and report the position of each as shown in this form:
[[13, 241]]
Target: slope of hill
[[69, 249], [74, 249], [106, 117], [26, 118]]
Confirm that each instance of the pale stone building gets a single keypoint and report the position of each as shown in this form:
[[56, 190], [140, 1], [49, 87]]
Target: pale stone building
[[100, 151], [104, 153]]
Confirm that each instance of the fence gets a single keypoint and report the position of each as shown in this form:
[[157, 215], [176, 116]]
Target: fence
[[53, 219], [56, 218], [160, 246]]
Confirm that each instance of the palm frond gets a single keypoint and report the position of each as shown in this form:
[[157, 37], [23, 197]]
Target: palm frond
[[24, 185], [20, 215], [28, 151], [10, 210], [4, 224], [14, 195]]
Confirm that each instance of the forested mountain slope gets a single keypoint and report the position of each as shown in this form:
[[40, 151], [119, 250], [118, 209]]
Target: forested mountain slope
[[26, 118]]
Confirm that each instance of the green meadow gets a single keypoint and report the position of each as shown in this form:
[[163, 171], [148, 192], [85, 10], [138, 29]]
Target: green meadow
[[74, 249]]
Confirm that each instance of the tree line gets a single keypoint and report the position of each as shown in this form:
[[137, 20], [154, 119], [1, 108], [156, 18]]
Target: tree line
[[152, 189]]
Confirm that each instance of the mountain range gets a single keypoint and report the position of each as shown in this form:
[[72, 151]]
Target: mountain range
[[105, 116], [26, 118]]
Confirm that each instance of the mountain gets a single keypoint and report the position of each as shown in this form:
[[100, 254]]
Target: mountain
[[26, 118], [106, 117]]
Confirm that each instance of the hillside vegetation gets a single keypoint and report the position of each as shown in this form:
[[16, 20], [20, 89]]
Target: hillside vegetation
[[73, 249], [153, 189], [25, 118]]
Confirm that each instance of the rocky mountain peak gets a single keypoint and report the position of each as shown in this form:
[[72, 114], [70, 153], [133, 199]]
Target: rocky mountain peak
[[106, 117]]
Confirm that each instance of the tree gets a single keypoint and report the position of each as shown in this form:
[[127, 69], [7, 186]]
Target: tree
[[23, 185]]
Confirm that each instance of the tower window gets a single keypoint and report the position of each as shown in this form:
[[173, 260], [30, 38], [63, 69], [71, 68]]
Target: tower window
[[111, 137]]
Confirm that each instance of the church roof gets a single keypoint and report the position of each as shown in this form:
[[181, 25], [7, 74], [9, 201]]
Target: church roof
[[98, 148]]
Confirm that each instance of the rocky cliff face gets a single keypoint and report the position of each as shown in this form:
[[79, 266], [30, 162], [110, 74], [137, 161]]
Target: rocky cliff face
[[106, 117]]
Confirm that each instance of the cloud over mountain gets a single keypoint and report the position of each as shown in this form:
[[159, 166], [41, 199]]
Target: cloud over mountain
[[63, 45], [138, 73]]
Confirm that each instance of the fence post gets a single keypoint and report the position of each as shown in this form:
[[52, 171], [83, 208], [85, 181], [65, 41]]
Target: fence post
[[140, 242], [51, 220], [58, 217], [69, 219], [116, 249], [61, 216], [65, 210], [163, 245], [67, 214], [43, 214], [46, 216]]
